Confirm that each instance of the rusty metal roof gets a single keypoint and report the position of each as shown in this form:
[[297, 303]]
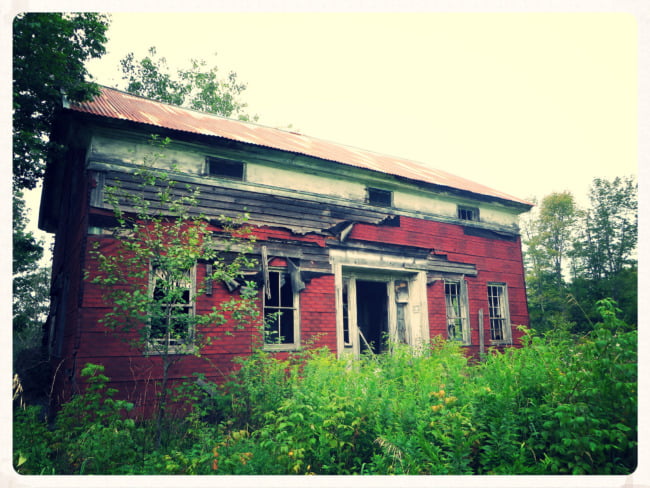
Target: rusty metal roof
[[125, 106]]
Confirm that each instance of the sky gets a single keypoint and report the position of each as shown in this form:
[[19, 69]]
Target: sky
[[527, 103]]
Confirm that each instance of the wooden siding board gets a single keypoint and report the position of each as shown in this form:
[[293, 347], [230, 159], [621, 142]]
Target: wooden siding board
[[264, 208]]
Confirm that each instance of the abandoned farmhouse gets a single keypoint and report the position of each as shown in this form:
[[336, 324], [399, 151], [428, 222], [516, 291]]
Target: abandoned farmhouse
[[355, 248]]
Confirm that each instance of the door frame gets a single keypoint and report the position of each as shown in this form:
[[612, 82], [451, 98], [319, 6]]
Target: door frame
[[350, 266]]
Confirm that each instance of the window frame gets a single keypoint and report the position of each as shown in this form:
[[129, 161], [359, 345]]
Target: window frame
[[294, 308], [503, 319], [385, 197], [460, 310], [231, 162], [184, 346], [462, 212]]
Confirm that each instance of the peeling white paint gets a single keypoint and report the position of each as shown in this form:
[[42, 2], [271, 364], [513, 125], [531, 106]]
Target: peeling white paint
[[346, 185]]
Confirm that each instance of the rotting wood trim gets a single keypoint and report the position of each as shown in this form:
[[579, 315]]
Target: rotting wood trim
[[375, 260], [385, 248], [265, 210], [294, 159], [312, 258], [265, 272], [238, 190], [336, 209]]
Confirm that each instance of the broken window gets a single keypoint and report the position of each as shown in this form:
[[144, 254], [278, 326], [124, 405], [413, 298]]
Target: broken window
[[381, 198], [224, 168], [468, 213], [498, 312], [457, 316], [280, 312], [172, 311]]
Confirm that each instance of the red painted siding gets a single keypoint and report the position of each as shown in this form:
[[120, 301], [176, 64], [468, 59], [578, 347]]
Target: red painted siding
[[136, 375]]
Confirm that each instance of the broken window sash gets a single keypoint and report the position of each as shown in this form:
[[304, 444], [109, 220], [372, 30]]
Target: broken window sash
[[498, 313], [265, 272], [457, 311], [280, 311], [171, 317]]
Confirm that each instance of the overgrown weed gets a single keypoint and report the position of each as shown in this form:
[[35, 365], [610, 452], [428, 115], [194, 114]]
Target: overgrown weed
[[559, 404]]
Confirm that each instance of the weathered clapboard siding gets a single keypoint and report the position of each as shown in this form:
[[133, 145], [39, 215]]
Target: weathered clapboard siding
[[298, 173], [232, 197], [298, 214]]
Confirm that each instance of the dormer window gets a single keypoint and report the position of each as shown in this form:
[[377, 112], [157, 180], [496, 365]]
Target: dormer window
[[381, 198], [468, 213], [224, 168]]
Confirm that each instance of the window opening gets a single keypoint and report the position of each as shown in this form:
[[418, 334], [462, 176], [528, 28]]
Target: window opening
[[498, 311], [456, 301], [279, 311], [382, 198], [468, 213], [171, 317], [224, 168]]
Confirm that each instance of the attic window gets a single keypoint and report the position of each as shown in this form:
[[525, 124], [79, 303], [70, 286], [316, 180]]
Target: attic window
[[224, 168], [468, 213], [381, 198]]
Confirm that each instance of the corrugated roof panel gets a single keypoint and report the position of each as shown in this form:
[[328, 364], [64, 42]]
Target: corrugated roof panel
[[125, 106]]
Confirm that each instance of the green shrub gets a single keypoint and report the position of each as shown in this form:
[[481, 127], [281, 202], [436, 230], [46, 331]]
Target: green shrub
[[92, 435], [32, 441], [559, 404]]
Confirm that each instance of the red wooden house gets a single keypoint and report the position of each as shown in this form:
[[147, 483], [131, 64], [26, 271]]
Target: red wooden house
[[357, 246]]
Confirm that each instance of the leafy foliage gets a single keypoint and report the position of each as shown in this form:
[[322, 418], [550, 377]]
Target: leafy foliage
[[608, 241], [49, 52], [197, 87], [575, 257], [31, 283], [556, 405]]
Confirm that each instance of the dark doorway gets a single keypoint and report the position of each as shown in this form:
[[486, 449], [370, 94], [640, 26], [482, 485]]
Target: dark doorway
[[372, 315]]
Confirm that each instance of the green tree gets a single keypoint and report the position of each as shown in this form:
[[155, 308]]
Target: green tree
[[608, 242], [31, 287], [605, 251], [49, 52], [197, 87], [548, 237], [601, 245], [148, 279], [31, 282]]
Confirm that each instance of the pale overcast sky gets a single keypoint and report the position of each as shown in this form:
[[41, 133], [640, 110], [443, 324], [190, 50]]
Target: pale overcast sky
[[526, 103]]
